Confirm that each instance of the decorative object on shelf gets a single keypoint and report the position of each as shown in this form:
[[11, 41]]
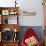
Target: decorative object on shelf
[[15, 29], [15, 34], [13, 12], [26, 13], [7, 34], [5, 12]]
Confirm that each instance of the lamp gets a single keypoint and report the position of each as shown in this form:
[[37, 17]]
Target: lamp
[[15, 3]]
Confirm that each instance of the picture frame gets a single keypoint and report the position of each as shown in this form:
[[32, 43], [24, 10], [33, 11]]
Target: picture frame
[[5, 12]]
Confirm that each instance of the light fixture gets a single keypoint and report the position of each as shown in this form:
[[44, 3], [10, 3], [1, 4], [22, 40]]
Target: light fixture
[[15, 3]]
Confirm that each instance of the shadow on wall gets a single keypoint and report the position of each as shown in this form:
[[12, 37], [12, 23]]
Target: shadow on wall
[[37, 29]]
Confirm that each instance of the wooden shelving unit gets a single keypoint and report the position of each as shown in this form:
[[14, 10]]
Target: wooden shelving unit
[[5, 12]]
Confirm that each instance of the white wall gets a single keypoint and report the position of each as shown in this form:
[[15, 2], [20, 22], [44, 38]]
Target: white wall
[[28, 5], [7, 3], [32, 5]]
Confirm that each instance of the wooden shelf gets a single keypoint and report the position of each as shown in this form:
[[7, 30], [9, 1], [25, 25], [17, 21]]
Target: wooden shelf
[[12, 43], [6, 13], [5, 25], [9, 43]]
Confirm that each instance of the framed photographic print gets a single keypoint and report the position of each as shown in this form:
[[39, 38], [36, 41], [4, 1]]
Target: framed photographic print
[[5, 12]]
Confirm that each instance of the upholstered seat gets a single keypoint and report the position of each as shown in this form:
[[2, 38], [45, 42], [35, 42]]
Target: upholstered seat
[[30, 35]]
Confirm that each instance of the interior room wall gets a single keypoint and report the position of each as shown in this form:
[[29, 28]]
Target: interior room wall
[[7, 3], [32, 6]]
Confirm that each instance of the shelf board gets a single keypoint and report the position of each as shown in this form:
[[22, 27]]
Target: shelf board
[[11, 26], [10, 41], [11, 15]]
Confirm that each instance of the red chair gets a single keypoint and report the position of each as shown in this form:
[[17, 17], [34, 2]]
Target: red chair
[[29, 33]]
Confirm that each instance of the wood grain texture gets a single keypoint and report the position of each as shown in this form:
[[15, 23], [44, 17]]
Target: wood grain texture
[[29, 13], [11, 26]]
